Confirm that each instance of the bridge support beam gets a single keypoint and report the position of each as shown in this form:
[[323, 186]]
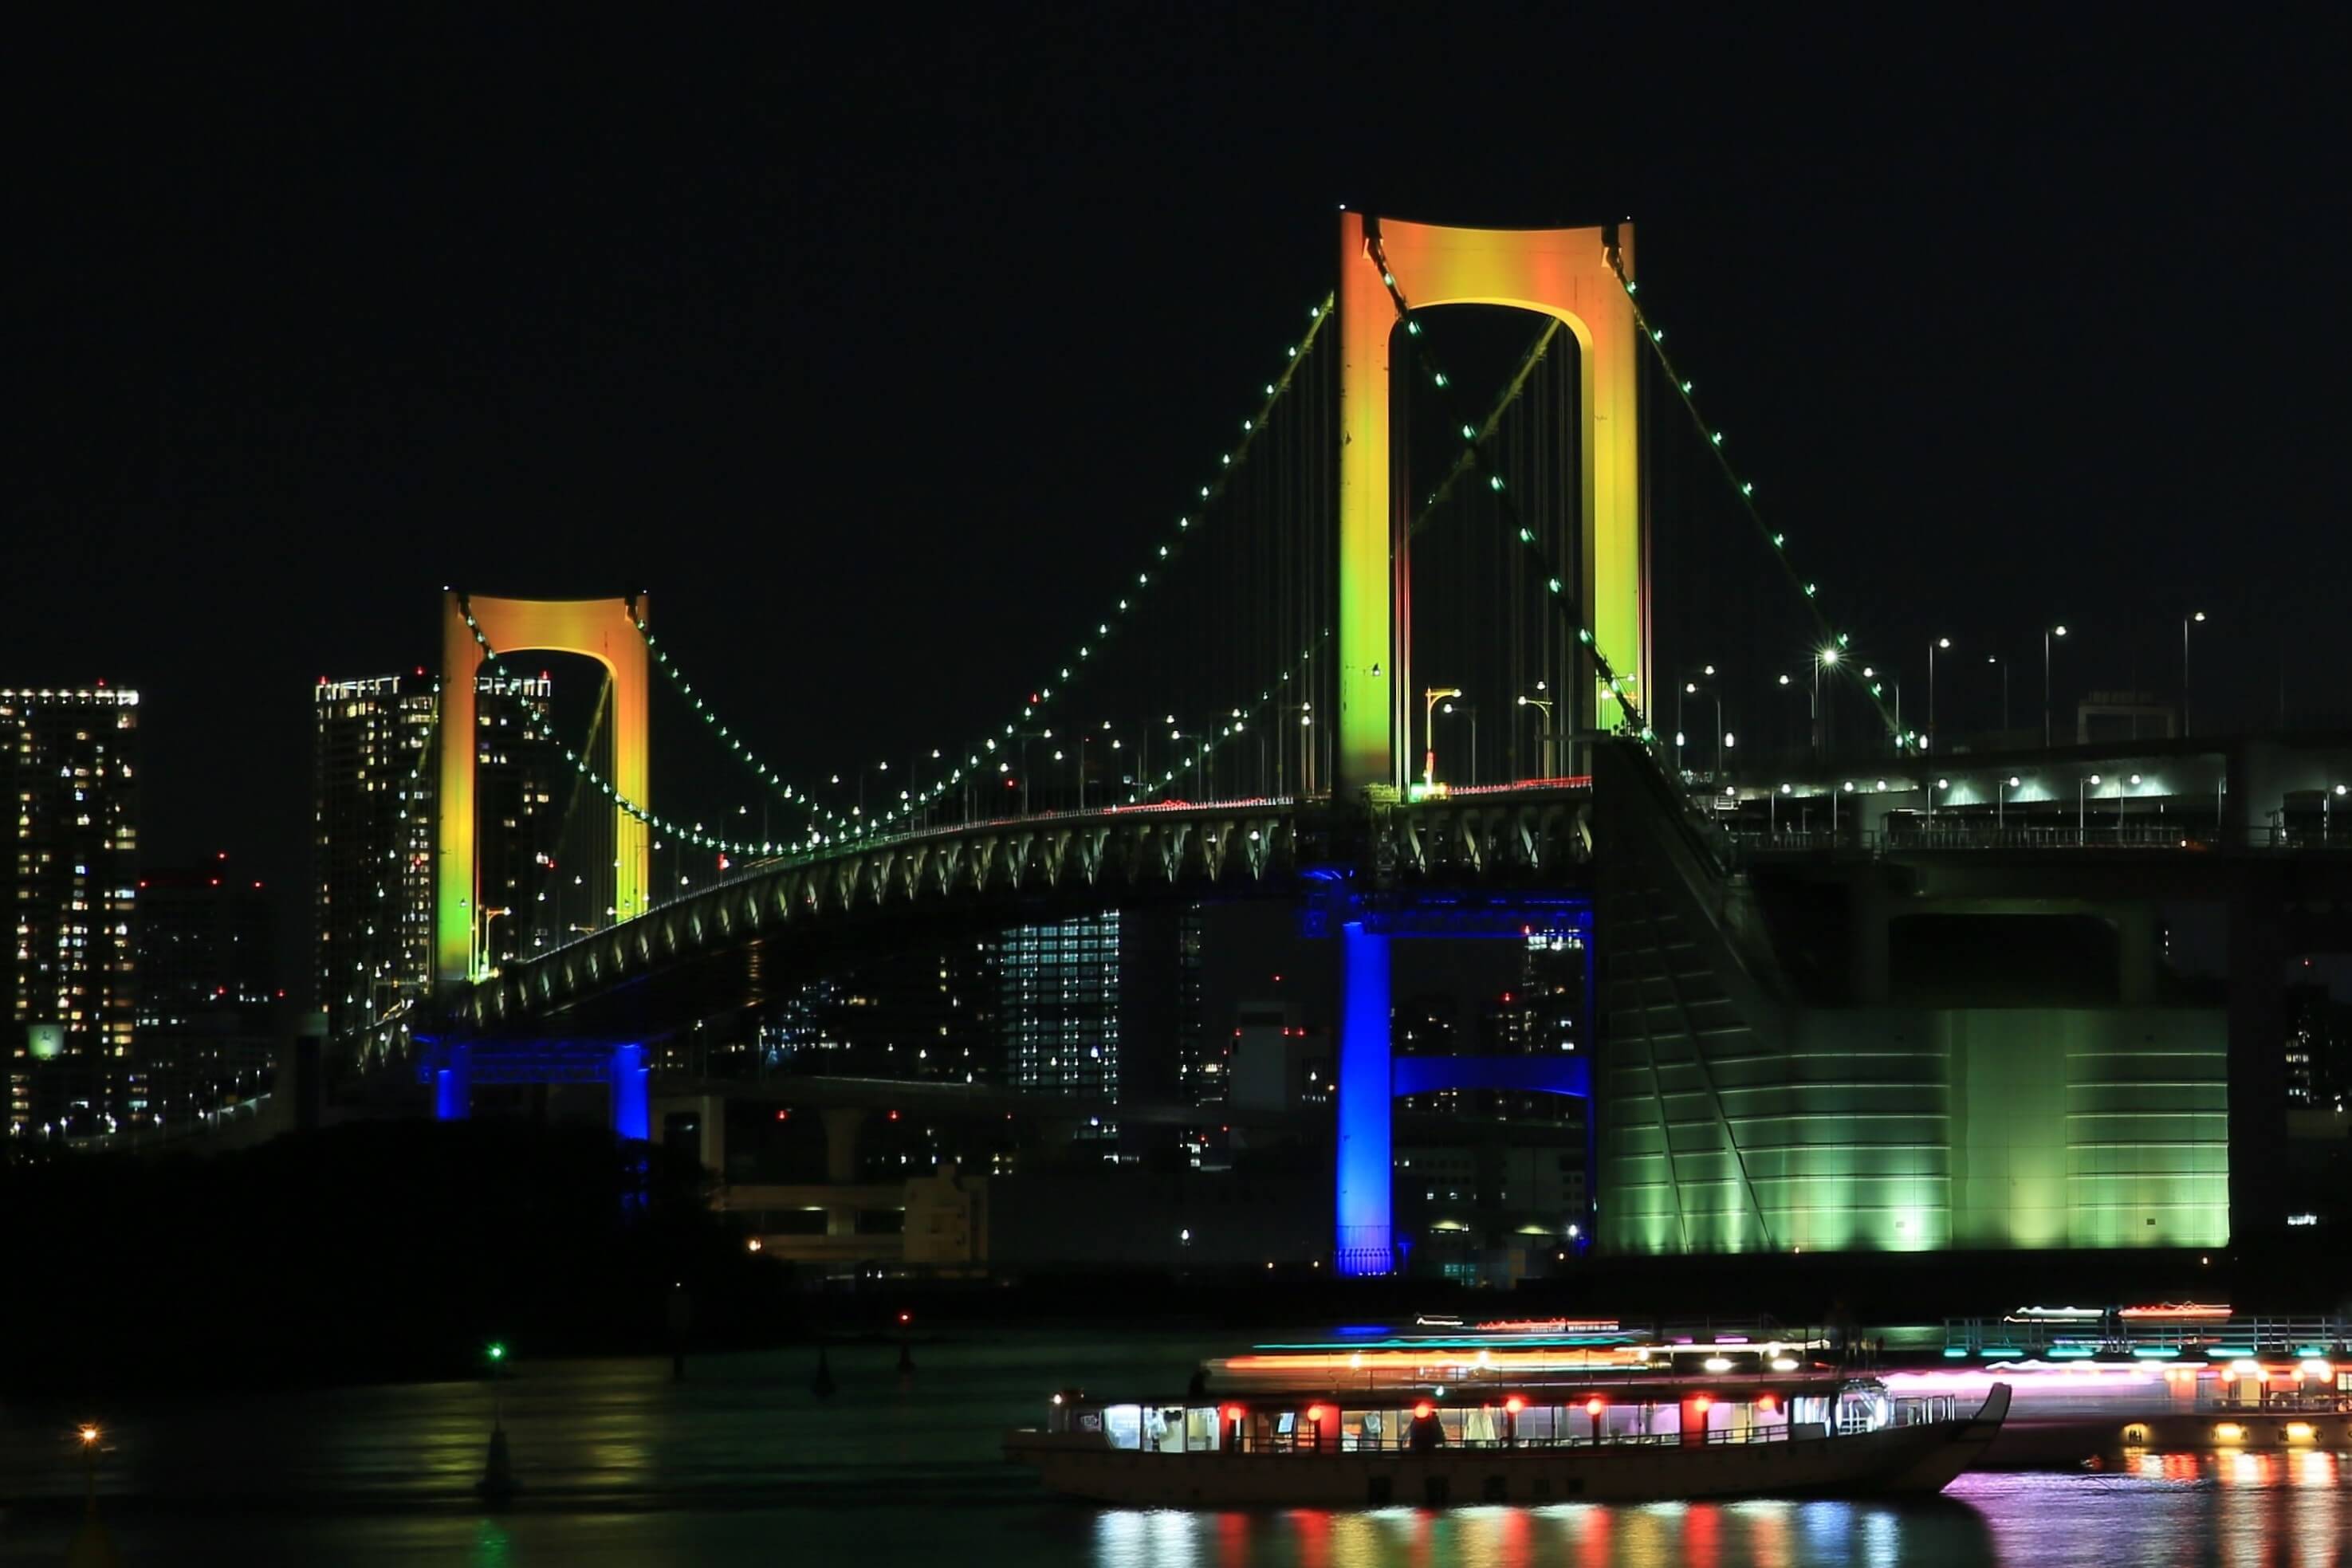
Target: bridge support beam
[[452, 1084], [631, 1103], [1365, 1242]]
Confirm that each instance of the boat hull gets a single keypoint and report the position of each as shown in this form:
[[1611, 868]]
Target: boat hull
[[1916, 1460]]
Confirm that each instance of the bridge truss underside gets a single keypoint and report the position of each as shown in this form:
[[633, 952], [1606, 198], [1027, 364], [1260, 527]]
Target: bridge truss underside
[[685, 960]]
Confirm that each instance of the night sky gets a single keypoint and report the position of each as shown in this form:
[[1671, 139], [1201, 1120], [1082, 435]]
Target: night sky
[[874, 345]]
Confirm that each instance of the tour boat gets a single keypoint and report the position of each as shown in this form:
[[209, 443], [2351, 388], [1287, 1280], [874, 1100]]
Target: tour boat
[[1512, 1414]]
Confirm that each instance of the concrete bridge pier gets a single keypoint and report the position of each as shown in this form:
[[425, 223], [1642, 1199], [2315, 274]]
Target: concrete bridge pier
[[1365, 1240], [452, 1084]]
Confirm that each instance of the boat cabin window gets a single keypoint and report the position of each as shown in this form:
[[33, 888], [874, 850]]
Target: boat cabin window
[[1123, 1424]]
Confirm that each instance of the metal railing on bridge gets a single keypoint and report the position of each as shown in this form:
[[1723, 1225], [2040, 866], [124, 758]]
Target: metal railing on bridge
[[1968, 835]]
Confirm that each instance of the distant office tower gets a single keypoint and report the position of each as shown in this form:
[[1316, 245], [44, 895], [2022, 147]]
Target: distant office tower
[[2318, 1046], [516, 764], [922, 1014], [72, 763], [372, 883], [1103, 1007], [208, 995], [374, 789], [1058, 1006]]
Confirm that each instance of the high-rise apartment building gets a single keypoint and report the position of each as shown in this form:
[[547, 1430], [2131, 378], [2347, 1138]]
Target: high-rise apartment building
[[374, 835], [209, 1002], [70, 760], [371, 827]]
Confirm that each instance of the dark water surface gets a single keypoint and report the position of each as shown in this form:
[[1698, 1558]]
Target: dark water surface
[[739, 1464]]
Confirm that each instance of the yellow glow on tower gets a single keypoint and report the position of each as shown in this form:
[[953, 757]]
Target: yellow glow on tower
[[603, 630]]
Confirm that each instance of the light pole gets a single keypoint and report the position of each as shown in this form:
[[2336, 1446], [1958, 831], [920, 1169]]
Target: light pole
[[1471, 709], [2194, 615], [2000, 800], [1690, 688], [1788, 719], [1939, 642], [1430, 697], [1997, 659], [2326, 804], [1870, 673], [1543, 740], [483, 917], [2083, 788], [1822, 659], [2047, 634]]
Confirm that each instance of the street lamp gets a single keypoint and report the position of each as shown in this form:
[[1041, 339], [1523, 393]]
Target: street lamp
[[1471, 709], [1430, 697], [1690, 688], [2000, 799], [2083, 787], [1821, 660], [1870, 673], [1543, 743], [2194, 615], [2326, 804], [1939, 642], [2047, 634], [1997, 659]]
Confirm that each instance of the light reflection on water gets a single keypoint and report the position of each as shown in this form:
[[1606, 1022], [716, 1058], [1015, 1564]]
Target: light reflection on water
[[739, 1465]]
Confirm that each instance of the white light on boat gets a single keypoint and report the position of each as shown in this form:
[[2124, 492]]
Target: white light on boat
[[2245, 1369], [1718, 1363], [2315, 1367]]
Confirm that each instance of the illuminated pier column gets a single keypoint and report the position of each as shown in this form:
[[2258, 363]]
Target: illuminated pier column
[[603, 630], [1365, 1242], [453, 1086], [631, 1104], [1562, 273]]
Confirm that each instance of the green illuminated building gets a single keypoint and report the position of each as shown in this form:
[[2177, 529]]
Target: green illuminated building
[[1861, 1056]]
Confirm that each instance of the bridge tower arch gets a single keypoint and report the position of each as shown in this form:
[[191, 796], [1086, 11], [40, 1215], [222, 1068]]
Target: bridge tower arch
[[604, 630], [1570, 273], [1579, 277]]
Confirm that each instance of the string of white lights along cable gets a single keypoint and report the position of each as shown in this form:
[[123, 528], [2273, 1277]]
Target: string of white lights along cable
[[1475, 452], [818, 810], [694, 835], [1476, 436], [1073, 668], [1234, 727], [1745, 490]]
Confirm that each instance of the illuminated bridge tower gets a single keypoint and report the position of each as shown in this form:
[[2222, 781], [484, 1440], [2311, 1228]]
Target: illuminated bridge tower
[[1572, 275], [473, 628]]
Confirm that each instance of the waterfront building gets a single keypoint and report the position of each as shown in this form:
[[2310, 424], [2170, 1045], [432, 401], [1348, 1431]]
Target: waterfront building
[[71, 765]]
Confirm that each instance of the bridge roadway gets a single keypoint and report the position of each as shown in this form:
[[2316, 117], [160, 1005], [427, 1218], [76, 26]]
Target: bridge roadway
[[706, 952]]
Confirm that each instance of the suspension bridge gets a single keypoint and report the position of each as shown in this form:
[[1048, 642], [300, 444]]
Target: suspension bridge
[[1395, 661]]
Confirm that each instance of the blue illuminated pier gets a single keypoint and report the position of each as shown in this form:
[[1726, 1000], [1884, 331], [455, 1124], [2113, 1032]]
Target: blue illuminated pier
[[1371, 1076]]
